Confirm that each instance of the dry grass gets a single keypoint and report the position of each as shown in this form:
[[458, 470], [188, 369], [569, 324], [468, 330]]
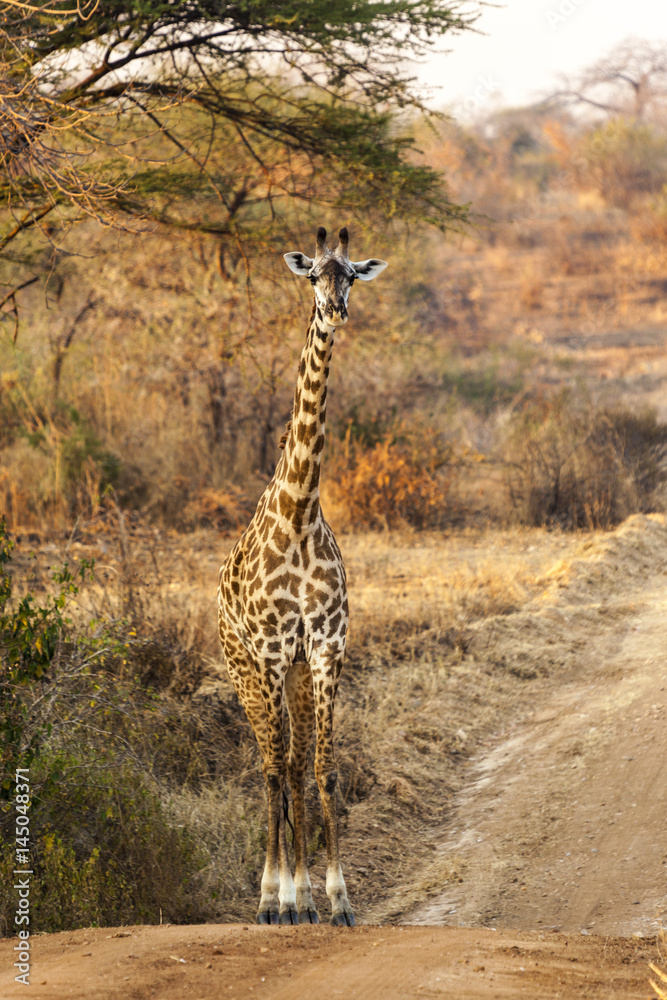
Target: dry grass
[[420, 607], [659, 989], [435, 578], [660, 992], [531, 290], [229, 822]]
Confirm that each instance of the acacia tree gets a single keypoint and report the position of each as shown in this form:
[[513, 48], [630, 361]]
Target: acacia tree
[[210, 115], [631, 81], [624, 97]]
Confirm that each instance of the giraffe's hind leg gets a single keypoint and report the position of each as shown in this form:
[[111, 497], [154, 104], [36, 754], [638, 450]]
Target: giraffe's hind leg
[[299, 690], [278, 893]]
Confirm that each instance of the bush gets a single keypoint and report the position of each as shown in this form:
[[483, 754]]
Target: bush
[[29, 638], [403, 478], [102, 850], [624, 159], [54, 467], [584, 468], [111, 762], [650, 225]]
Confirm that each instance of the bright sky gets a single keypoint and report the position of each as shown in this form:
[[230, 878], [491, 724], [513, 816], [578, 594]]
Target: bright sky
[[528, 43]]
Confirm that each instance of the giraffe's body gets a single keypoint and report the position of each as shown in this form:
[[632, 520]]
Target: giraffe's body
[[283, 612]]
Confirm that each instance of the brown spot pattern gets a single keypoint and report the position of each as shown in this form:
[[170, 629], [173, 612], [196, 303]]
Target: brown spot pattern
[[283, 612]]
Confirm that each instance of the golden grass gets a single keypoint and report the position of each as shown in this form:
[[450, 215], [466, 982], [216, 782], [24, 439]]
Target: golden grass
[[420, 607], [659, 991], [452, 635], [445, 579]]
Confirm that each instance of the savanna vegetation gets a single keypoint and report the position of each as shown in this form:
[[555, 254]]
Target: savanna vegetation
[[148, 347]]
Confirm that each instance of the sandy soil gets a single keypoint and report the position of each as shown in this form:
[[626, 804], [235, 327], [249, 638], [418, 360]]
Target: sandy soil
[[374, 963]]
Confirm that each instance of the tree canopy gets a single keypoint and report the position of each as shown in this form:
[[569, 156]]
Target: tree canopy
[[210, 115]]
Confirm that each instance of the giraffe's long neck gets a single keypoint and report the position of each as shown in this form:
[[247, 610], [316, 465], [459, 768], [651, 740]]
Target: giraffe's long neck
[[299, 468]]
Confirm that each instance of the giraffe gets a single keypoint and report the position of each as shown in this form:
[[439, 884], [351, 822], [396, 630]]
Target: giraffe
[[283, 611]]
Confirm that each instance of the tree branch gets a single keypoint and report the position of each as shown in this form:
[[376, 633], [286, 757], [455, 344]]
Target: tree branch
[[31, 218]]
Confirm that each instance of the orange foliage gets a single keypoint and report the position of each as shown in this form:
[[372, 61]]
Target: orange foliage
[[397, 481]]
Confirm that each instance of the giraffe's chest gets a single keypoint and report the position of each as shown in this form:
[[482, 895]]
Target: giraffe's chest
[[284, 600]]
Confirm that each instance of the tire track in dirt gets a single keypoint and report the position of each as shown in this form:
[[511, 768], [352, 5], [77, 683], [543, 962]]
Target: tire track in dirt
[[562, 824]]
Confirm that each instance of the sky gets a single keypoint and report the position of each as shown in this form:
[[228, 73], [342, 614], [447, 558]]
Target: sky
[[526, 46]]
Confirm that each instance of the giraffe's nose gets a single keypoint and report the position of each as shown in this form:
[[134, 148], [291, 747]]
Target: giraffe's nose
[[337, 314]]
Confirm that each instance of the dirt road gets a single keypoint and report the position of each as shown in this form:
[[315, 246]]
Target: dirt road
[[563, 823], [373, 963]]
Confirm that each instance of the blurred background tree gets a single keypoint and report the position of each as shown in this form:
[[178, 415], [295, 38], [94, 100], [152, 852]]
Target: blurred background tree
[[630, 81]]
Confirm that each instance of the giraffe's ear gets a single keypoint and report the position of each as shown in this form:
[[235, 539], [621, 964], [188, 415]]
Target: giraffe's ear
[[298, 262], [369, 269]]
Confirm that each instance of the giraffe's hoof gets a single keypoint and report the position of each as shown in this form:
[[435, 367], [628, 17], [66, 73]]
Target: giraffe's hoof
[[267, 917], [309, 917], [289, 917], [343, 919]]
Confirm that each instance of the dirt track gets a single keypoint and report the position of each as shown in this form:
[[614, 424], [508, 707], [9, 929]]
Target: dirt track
[[373, 963], [562, 823], [560, 827]]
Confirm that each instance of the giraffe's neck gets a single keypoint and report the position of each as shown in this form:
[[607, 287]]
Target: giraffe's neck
[[299, 467]]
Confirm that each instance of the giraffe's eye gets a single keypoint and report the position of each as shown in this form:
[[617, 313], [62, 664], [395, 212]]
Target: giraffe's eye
[[312, 279], [353, 278]]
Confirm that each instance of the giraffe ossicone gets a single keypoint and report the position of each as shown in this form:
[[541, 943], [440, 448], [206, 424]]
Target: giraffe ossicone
[[283, 611]]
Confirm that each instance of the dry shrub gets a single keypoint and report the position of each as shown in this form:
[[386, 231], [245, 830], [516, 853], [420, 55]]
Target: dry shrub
[[228, 509], [53, 467], [583, 252], [585, 467], [172, 638], [402, 479], [623, 160]]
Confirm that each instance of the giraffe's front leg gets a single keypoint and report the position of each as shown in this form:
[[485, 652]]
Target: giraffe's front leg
[[299, 686], [278, 899], [325, 682], [278, 902]]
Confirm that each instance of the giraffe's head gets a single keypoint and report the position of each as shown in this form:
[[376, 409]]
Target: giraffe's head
[[331, 272]]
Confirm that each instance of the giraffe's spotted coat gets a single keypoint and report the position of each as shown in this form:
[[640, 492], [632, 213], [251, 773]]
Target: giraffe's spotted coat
[[283, 610], [288, 554]]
